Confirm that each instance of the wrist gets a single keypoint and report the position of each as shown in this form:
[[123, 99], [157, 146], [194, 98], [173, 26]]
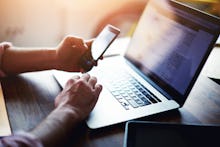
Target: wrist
[[58, 65], [56, 127], [68, 112], [53, 59]]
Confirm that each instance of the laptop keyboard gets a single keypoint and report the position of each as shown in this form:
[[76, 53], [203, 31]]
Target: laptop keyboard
[[128, 91]]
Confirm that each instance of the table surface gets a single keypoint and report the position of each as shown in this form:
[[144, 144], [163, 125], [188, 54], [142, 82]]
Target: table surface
[[29, 99]]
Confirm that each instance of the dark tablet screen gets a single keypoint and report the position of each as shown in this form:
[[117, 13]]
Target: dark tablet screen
[[146, 134]]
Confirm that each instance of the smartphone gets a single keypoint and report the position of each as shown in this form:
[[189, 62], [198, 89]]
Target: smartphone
[[99, 46]]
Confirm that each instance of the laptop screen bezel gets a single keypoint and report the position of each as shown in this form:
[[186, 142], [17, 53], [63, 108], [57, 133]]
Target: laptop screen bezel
[[166, 89]]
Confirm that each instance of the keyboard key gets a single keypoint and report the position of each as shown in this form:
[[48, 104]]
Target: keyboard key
[[146, 102], [115, 93], [128, 98], [118, 97], [124, 103], [133, 103]]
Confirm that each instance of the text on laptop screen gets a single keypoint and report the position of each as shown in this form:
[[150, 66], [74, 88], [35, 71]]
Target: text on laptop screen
[[169, 45]]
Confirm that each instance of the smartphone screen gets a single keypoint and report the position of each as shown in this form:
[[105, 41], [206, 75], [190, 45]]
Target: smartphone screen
[[99, 46], [103, 41]]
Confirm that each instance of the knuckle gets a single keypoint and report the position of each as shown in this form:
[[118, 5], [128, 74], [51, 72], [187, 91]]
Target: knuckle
[[81, 82], [68, 37], [79, 39], [70, 81], [94, 78]]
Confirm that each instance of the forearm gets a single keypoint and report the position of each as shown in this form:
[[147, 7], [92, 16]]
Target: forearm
[[56, 127], [16, 61]]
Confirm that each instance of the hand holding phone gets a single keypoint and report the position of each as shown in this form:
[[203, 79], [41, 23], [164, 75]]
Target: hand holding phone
[[98, 48]]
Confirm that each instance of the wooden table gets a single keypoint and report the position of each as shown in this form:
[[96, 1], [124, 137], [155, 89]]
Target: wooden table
[[29, 99]]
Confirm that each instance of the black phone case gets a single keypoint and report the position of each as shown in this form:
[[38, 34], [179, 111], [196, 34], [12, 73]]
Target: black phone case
[[86, 62]]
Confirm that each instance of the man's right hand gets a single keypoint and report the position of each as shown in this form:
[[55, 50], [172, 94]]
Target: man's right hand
[[80, 94]]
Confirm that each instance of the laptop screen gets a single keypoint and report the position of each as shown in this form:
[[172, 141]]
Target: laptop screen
[[171, 43]]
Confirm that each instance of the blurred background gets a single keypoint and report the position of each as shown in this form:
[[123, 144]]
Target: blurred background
[[46, 22]]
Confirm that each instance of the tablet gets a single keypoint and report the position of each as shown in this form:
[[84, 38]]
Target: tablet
[[153, 134]]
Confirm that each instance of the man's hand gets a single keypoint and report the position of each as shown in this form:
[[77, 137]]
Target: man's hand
[[69, 53], [73, 105], [80, 94]]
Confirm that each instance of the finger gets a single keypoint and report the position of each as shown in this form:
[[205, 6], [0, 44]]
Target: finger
[[89, 43], [86, 77], [92, 81], [95, 63], [69, 83], [75, 42], [98, 89], [80, 43], [72, 39], [76, 77]]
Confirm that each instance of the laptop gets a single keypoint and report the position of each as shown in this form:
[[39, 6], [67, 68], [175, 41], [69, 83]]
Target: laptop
[[159, 68]]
